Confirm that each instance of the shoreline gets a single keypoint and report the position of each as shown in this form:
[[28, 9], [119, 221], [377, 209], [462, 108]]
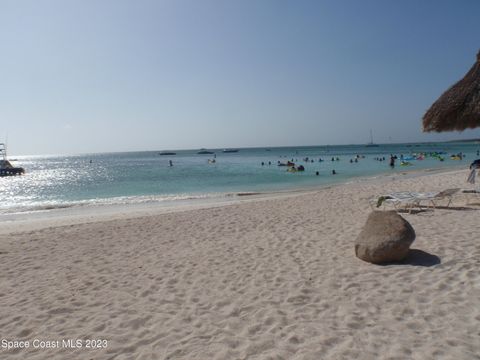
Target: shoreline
[[74, 215], [32, 195]]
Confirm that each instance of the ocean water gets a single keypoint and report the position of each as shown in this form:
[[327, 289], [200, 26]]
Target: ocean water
[[140, 177]]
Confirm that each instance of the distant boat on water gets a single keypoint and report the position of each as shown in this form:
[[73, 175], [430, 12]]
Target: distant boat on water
[[371, 143], [204, 152], [230, 150], [6, 168], [167, 153]]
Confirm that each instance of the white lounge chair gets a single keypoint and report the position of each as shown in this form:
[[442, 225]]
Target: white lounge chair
[[399, 200], [408, 200], [433, 198]]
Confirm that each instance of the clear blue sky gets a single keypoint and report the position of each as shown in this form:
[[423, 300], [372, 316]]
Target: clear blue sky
[[112, 75]]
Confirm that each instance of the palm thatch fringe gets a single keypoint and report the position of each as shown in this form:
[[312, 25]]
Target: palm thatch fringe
[[459, 107]]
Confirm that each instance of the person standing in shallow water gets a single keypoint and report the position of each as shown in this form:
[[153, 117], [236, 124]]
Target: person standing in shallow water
[[392, 161]]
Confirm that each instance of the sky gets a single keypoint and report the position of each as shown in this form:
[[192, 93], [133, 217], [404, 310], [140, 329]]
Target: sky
[[82, 76]]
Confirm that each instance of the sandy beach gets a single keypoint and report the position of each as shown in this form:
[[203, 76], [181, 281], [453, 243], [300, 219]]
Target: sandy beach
[[268, 278]]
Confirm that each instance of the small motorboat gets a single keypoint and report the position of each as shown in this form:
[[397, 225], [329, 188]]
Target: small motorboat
[[230, 150], [167, 153], [205, 152]]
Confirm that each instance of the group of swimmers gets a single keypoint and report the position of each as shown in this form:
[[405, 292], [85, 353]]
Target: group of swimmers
[[293, 168], [394, 158], [356, 158], [290, 164]]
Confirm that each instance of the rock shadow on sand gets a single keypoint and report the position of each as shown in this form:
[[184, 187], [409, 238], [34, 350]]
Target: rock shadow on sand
[[418, 257]]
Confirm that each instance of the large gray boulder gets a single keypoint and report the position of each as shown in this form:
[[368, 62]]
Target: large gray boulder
[[385, 237]]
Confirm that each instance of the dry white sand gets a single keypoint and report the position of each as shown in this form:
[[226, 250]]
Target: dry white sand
[[268, 279]]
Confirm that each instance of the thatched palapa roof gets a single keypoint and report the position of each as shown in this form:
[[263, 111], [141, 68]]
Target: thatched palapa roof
[[459, 107]]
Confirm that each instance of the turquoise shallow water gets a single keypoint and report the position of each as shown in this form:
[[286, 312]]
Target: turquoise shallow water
[[135, 177]]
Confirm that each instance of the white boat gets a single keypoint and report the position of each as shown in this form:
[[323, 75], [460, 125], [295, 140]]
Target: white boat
[[6, 168]]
